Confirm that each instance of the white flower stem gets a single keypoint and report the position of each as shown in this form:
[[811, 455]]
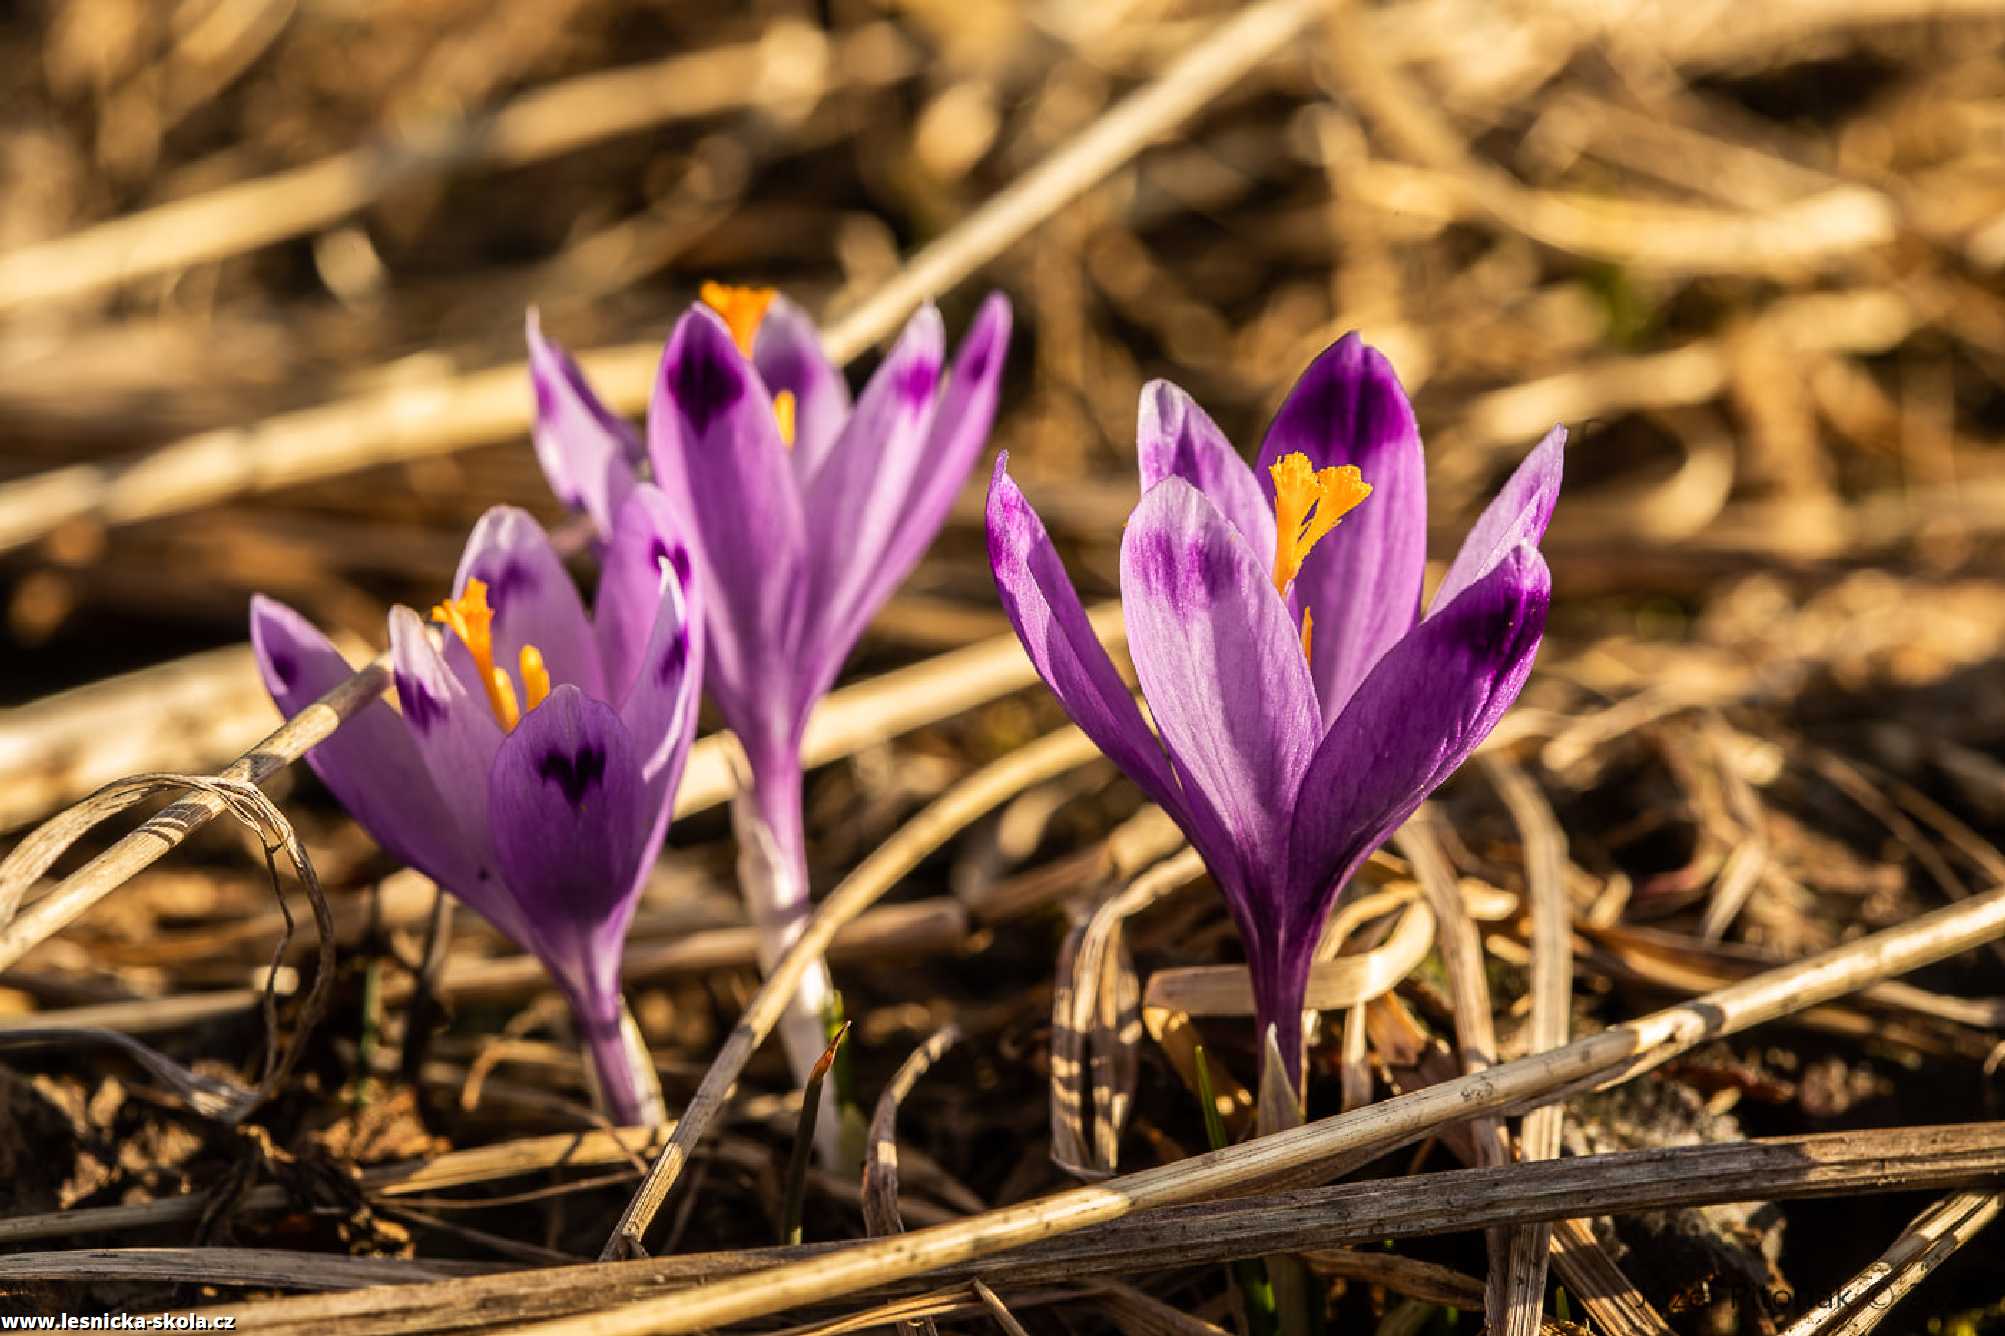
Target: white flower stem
[[773, 877], [620, 1071]]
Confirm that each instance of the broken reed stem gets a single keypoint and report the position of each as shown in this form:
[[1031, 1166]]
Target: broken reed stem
[[1307, 1152], [1454, 1201], [411, 422], [1048, 757], [166, 829]]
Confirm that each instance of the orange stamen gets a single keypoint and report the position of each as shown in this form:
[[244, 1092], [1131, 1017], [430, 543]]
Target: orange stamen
[[471, 619], [1308, 503], [1308, 624], [742, 308]]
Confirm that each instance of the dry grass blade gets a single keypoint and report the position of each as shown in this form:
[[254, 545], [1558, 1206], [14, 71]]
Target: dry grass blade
[[1208, 1233], [880, 1164], [1402, 1275], [880, 1154], [209, 1096], [1050, 756], [1475, 1025], [252, 1268], [1095, 1027], [1318, 1148], [1345, 981], [244, 800], [581, 1150], [1552, 1001], [1136, 1311], [1861, 1303], [996, 1309], [789, 63]]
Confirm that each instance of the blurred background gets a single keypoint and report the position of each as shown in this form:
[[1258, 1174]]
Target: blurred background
[[1751, 254]]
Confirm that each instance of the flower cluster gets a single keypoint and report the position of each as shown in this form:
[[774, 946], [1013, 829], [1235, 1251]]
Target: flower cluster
[[1302, 704]]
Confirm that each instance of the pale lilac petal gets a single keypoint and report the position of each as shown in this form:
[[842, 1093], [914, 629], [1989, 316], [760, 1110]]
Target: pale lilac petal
[[659, 707], [719, 460], [858, 498], [1220, 666], [958, 430], [1516, 515], [1362, 582], [456, 736], [646, 538], [566, 803], [1174, 438], [1414, 719], [369, 763], [789, 356], [1042, 605], [533, 598], [588, 454]]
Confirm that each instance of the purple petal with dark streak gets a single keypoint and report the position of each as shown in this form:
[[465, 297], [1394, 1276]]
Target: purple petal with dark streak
[[789, 356], [370, 763], [1174, 438], [589, 455], [456, 736], [1414, 719], [1220, 666], [1042, 605], [719, 460], [534, 600], [567, 806], [1362, 582], [1518, 514], [859, 496]]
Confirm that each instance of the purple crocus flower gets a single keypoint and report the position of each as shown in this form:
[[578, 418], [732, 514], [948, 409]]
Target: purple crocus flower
[[804, 510], [543, 808], [1305, 706]]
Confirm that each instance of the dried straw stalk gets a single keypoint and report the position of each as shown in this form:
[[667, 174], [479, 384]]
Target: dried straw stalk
[[1205, 1234], [1307, 1153]]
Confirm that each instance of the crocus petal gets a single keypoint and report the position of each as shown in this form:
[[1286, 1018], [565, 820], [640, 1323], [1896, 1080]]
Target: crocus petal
[[1362, 582], [1042, 605], [1516, 515], [370, 763], [719, 459], [456, 737], [789, 356], [1417, 715], [646, 537], [958, 431], [533, 599], [587, 453], [565, 801], [1174, 438], [857, 499], [1220, 666], [659, 708]]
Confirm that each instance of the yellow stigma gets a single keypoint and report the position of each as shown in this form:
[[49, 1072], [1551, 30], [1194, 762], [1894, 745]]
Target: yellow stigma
[[472, 620], [742, 309], [1308, 624], [535, 677], [1307, 505], [783, 413]]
